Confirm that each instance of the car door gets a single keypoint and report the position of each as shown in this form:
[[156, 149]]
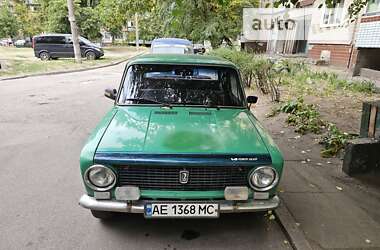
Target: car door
[[69, 48], [56, 46]]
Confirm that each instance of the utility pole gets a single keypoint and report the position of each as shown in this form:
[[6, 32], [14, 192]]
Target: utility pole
[[137, 30], [74, 32]]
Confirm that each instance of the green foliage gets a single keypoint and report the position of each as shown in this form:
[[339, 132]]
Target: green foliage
[[306, 118], [302, 79], [54, 16], [334, 141], [303, 116], [263, 72], [112, 16], [89, 24], [29, 23], [199, 20], [8, 21], [364, 86]]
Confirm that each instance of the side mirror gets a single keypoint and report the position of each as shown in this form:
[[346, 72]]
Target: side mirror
[[110, 93], [251, 100]]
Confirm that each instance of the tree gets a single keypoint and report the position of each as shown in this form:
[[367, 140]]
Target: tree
[[89, 23], [112, 16], [54, 16], [8, 21], [199, 20], [29, 23]]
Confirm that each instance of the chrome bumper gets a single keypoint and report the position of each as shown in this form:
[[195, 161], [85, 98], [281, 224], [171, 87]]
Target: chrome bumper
[[138, 206]]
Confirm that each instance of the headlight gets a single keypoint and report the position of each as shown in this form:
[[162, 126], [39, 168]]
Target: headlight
[[100, 178], [263, 178]]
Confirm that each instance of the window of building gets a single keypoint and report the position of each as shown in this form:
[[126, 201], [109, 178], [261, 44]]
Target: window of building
[[373, 6], [333, 16]]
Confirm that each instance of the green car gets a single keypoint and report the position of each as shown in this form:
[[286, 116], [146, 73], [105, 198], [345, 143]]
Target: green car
[[180, 141]]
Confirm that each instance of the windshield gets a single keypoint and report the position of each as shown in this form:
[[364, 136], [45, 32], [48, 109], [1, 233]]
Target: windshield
[[182, 85], [86, 41]]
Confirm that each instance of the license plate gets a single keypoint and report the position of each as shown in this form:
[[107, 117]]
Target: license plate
[[166, 210]]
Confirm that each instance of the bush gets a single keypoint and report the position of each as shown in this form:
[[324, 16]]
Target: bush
[[253, 68]]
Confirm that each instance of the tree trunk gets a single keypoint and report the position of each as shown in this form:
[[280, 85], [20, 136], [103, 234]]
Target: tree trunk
[[137, 30], [74, 32]]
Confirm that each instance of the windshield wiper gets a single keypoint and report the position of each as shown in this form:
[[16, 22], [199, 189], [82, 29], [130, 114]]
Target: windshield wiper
[[149, 101]]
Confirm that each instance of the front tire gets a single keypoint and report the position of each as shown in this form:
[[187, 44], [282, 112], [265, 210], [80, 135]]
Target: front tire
[[103, 215], [90, 55], [44, 56]]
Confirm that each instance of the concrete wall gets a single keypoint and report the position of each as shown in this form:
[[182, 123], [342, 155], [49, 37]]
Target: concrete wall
[[330, 34]]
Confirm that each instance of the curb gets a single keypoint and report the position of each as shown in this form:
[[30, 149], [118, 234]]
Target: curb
[[293, 232], [70, 71]]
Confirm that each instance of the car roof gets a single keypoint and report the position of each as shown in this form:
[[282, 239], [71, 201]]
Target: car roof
[[53, 34], [171, 41], [181, 59]]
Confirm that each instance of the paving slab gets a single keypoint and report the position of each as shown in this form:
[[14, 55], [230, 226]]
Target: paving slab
[[333, 210]]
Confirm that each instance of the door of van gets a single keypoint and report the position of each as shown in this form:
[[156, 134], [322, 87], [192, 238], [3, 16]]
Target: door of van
[[69, 48], [53, 44]]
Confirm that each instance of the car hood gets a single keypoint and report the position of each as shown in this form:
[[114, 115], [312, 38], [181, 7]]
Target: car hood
[[181, 130]]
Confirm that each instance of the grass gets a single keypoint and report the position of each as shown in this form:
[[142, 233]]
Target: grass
[[301, 79], [21, 61]]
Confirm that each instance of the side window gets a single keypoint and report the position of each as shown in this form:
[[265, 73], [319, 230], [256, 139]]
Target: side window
[[57, 40], [40, 39], [51, 39]]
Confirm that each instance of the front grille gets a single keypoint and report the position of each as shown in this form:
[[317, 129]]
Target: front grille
[[167, 177]]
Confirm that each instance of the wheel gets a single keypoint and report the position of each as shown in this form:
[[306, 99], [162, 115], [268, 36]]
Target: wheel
[[90, 55], [103, 215], [44, 56]]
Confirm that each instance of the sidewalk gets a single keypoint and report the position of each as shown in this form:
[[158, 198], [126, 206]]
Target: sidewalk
[[333, 210]]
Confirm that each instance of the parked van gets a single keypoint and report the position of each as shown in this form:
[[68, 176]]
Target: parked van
[[52, 46]]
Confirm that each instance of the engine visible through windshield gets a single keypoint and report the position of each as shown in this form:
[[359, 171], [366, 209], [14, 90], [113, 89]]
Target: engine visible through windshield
[[182, 85]]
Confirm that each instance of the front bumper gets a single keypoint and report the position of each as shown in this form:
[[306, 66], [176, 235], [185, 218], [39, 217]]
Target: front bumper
[[138, 206]]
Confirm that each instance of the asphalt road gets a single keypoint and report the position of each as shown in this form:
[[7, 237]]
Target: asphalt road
[[44, 122]]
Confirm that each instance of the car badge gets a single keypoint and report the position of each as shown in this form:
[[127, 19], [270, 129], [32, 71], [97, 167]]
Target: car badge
[[183, 176]]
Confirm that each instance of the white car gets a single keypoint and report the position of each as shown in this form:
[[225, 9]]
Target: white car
[[20, 43]]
